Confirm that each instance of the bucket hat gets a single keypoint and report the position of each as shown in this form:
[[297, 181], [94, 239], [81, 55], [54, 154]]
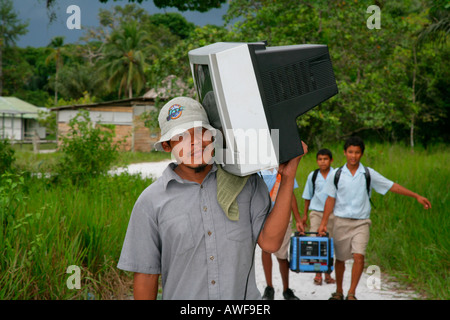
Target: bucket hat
[[179, 115]]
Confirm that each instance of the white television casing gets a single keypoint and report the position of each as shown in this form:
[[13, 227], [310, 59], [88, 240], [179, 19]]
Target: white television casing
[[253, 94], [240, 115]]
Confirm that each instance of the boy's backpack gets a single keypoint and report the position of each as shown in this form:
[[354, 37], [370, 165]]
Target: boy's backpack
[[366, 174], [314, 177]]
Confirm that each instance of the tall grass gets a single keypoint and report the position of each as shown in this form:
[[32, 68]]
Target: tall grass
[[57, 226], [407, 242]]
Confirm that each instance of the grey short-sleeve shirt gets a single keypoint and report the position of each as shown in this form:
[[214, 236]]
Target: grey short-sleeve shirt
[[178, 229]]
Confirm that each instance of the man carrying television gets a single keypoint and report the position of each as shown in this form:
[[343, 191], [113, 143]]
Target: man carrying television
[[180, 229]]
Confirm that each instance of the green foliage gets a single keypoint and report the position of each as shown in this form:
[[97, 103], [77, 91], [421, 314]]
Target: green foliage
[[125, 55], [11, 28], [385, 80], [11, 196], [59, 225], [87, 150], [6, 156]]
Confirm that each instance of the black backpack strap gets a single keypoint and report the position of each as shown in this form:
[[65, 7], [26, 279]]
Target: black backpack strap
[[314, 177], [367, 174], [337, 176]]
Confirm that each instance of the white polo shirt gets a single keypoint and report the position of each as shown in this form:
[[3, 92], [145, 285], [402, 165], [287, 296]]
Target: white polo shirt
[[319, 196], [352, 200]]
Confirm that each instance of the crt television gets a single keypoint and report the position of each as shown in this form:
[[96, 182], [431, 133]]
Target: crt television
[[254, 93]]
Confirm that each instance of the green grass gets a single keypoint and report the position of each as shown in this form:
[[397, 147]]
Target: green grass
[[407, 242], [57, 226]]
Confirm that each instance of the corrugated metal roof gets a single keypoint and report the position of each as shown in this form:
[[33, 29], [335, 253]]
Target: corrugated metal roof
[[13, 105]]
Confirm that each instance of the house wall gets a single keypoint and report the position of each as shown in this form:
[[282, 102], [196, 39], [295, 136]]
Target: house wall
[[130, 131], [10, 128], [32, 126]]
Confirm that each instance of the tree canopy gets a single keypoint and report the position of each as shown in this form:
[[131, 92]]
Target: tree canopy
[[182, 5], [393, 81]]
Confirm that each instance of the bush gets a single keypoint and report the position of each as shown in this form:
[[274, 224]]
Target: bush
[[88, 149], [6, 156]]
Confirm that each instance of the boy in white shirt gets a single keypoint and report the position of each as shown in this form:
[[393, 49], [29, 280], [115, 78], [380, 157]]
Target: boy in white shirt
[[349, 199]]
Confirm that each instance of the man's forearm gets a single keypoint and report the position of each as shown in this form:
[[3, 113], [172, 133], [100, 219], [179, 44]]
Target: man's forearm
[[145, 286], [277, 222]]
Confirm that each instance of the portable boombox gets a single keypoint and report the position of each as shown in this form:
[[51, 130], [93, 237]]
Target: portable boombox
[[311, 253]]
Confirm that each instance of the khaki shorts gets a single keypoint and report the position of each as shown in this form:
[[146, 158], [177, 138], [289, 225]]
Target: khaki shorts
[[350, 236], [315, 218], [282, 253]]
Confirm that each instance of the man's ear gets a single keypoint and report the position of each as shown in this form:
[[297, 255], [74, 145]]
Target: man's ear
[[166, 146]]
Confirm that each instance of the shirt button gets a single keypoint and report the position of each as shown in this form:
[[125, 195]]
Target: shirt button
[[205, 208], [211, 258], [209, 233], [213, 282]]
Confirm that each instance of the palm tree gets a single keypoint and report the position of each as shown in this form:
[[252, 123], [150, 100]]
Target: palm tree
[[125, 53], [80, 79], [438, 30], [57, 53]]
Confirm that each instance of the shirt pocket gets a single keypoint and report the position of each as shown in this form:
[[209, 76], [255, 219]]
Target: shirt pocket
[[240, 230], [177, 234]]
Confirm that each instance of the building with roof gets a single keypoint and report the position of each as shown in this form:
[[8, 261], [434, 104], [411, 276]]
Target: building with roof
[[122, 115], [19, 120]]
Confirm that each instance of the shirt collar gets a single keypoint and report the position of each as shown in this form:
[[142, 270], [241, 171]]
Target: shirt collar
[[169, 174], [360, 169]]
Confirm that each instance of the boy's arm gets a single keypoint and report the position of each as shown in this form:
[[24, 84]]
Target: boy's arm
[[274, 229], [305, 212], [145, 286], [329, 206], [405, 192], [298, 221]]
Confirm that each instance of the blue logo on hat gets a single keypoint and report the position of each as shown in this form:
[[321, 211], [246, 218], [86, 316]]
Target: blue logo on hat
[[175, 112]]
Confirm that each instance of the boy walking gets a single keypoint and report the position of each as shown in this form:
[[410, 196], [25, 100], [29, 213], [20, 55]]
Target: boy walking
[[315, 197], [349, 198]]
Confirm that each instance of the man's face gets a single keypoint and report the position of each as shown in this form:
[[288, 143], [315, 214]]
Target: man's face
[[193, 148], [324, 162], [353, 155]]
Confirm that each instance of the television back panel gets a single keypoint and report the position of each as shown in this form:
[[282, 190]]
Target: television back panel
[[292, 80]]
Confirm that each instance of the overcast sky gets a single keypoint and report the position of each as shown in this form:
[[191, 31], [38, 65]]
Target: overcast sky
[[40, 31]]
